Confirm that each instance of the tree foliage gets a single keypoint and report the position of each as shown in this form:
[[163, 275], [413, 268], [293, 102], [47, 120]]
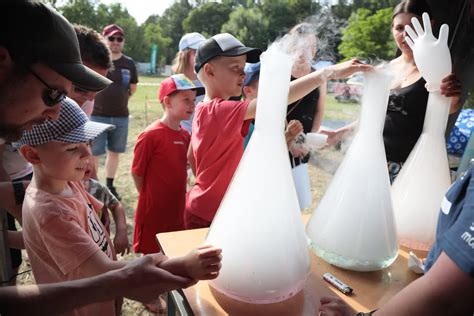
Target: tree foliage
[[368, 35], [255, 22], [207, 19], [171, 23], [243, 24]]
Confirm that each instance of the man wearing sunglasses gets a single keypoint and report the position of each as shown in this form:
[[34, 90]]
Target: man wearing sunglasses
[[111, 105], [39, 64]]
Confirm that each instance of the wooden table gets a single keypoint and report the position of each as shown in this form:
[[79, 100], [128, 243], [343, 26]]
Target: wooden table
[[371, 289]]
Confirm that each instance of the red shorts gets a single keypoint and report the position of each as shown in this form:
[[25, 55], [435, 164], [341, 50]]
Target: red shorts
[[192, 221], [144, 239]]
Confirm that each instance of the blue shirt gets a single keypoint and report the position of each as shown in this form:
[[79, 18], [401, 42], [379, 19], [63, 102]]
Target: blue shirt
[[455, 230]]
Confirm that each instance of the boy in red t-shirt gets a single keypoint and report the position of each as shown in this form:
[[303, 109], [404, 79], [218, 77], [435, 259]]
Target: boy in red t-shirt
[[220, 125], [159, 166]]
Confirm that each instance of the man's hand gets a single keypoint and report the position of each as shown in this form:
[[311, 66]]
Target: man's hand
[[144, 281]]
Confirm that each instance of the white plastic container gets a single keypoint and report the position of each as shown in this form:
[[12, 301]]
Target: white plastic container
[[316, 140], [353, 226], [258, 224], [424, 179]]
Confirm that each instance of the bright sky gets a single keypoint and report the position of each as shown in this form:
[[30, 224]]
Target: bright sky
[[142, 9]]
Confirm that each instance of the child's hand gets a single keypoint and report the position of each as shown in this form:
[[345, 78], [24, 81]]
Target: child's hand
[[333, 136], [345, 69], [121, 244], [203, 263], [293, 129]]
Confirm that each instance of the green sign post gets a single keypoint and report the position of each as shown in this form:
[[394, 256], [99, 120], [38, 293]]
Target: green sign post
[[154, 52]]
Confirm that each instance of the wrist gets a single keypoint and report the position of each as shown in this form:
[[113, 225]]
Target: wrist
[[121, 228]]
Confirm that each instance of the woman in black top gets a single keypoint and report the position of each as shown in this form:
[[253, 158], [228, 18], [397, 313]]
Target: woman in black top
[[308, 110], [408, 96]]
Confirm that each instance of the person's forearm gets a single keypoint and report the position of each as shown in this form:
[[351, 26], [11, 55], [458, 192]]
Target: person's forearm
[[444, 290], [304, 85], [56, 298], [133, 89], [319, 110], [174, 265], [349, 127], [118, 214]]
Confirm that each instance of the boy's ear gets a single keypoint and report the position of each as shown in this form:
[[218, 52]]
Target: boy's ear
[[30, 154], [167, 102], [245, 91], [208, 69]]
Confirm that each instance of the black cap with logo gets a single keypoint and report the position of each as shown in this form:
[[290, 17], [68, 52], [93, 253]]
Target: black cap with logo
[[33, 32], [224, 44]]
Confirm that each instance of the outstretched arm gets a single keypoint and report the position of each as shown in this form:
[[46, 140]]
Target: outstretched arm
[[304, 85], [140, 280]]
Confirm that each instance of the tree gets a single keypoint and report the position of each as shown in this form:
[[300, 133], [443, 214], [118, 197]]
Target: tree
[[303, 9], [153, 34], [97, 15], [249, 26], [207, 19], [81, 12], [368, 36], [280, 18], [373, 5], [171, 23]]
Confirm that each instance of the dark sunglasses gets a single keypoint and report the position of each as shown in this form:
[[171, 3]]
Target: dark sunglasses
[[113, 38], [50, 96]]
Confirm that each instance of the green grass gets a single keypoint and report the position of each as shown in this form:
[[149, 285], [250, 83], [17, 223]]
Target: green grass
[[337, 111]]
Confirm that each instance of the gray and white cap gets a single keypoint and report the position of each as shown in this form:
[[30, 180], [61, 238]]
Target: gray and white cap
[[73, 126], [224, 44]]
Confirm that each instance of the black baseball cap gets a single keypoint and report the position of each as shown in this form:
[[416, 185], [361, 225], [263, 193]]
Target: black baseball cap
[[34, 32], [224, 44]]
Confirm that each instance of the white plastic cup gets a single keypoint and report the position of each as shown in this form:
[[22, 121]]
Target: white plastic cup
[[316, 140]]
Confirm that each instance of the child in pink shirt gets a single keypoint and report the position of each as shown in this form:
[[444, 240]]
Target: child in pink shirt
[[63, 235]]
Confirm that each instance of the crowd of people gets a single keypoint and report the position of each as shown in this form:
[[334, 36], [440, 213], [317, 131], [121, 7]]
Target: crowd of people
[[64, 102]]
